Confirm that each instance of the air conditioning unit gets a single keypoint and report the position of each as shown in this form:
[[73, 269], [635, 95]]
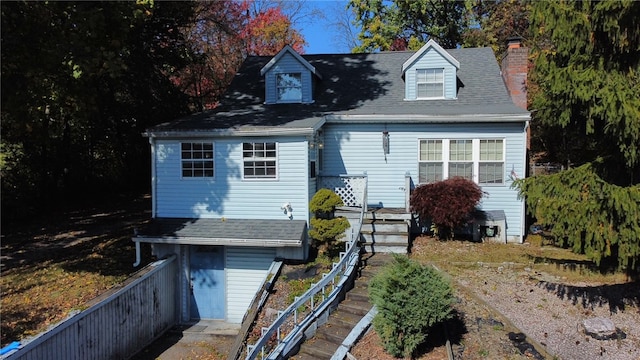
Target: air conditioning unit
[[490, 225]]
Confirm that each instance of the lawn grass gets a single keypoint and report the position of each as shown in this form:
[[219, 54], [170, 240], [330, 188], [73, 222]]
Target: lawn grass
[[457, 256]]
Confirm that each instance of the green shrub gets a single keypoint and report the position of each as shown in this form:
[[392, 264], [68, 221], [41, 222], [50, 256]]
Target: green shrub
[[447, 203], [411, 299], [326, 229]]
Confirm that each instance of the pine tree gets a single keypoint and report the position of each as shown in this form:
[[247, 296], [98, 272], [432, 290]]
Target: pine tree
[[586, 108], [588, 214], [587, 75]]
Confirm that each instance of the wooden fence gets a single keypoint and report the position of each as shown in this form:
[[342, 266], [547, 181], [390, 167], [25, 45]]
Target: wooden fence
[[118, 325]]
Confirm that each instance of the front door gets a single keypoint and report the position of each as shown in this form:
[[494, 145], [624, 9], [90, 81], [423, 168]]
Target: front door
[[207, 282]]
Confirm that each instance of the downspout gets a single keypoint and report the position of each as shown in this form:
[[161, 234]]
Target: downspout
[[138, 257], [525, 171]]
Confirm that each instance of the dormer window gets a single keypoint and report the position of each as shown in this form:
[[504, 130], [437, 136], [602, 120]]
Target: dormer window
[[430, 83], [289, 78], [430, 74], [289, 87]]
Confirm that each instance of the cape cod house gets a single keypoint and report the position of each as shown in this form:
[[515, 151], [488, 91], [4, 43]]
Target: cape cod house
[[231, 186]]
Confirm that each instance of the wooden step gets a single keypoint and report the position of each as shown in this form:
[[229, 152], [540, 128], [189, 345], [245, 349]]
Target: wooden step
[[355, 307], [385, 237], [319, 348], [344, 318], [358, 294], [334, 331], [372, 226]]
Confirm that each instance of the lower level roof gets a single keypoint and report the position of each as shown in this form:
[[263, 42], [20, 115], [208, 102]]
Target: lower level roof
[[222, 231]]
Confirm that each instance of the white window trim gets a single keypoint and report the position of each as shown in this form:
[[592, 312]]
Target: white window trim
[[442, 96], [297, 101], [441, 161], [475, 145], [213, 160], [276, 159], [478, 162]]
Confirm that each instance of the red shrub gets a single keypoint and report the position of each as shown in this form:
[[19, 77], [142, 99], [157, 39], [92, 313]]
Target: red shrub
[[447, 203]]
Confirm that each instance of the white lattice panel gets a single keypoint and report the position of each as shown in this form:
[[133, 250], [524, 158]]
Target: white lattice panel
[[351, 189]]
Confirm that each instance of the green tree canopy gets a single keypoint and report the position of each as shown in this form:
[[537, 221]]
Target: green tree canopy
[[493, 22], [401, 24], [80, 83], [586, 76]]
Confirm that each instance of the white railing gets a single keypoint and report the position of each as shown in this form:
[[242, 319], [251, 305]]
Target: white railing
[[327, 289]]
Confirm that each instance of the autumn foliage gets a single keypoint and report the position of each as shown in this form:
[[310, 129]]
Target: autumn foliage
[[221, 36], [446, 203]]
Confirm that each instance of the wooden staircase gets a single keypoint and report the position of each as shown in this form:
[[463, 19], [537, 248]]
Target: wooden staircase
[[384, 230], [349, 312]]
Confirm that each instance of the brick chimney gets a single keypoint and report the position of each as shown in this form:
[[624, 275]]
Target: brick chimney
[[514, 71]]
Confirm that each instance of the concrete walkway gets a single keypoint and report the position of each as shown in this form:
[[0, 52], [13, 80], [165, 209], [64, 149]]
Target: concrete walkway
[[194, 341]]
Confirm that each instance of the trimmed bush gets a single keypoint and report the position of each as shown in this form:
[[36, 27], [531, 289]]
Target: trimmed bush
[[411, 299], [448, 203], [326, 229]]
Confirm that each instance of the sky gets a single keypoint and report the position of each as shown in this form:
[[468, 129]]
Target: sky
[[320, 36]]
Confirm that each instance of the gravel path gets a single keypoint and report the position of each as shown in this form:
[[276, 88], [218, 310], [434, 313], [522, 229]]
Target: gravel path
[[552, 313]]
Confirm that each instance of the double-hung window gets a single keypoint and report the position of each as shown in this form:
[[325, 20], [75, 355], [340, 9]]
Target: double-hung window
[[430, 161], [289, 87], [461, 159], [429, 83], [260, 160], [479, 160], [197, 159], [491, 166]]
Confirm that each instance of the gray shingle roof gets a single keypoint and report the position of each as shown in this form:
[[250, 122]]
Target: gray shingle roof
[[353, 84], [224, 231]]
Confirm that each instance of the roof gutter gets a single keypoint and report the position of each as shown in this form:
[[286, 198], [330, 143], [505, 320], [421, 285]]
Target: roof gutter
[[215, 241], [274, 131], [420, 118]]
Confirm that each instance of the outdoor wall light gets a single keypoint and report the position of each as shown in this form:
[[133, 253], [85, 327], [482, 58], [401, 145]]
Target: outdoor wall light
[[385, 142], [288, 210]]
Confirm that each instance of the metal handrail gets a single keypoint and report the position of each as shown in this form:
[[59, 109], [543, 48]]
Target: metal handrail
[[348, 262]]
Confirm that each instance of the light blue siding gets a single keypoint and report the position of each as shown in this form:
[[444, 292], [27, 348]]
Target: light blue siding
[[246, 270], [430, 60], [288, 64], [228, 194], [355, 149]]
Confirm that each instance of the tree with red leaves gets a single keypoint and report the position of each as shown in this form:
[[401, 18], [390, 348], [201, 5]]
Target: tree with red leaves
[[448, 203], [268, 32], [222, 34]]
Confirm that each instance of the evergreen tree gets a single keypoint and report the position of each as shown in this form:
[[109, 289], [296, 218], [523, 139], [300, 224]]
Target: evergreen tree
[[585, 104], [588, 215], [411, 299], [587, 81]]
